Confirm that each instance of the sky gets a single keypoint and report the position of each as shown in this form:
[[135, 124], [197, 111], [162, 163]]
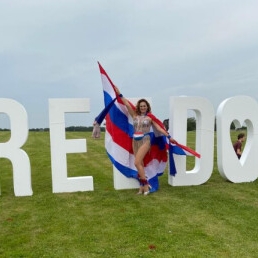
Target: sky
[[151, 48]]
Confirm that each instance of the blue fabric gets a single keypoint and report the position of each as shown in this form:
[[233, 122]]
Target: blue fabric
[[99, 119], [172, 167]]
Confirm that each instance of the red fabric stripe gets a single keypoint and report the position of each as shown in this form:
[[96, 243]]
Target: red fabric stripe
[[102, 71], [156, 153], [189, 150], [119, 136], [155, 119]]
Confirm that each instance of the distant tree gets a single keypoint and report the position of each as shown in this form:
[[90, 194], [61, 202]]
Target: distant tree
[[4, 129], [232, 126], [191, 124], [82, 129]]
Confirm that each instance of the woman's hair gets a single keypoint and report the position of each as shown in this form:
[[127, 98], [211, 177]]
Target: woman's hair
[[138, 112]]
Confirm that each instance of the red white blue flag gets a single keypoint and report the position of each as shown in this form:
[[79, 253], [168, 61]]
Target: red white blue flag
[[118, 139]]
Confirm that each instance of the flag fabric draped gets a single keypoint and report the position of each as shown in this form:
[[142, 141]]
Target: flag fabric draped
[[99, 119], [179, 149], [118, 139]]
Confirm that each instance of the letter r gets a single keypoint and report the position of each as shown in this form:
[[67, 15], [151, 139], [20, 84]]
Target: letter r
[[12, 149]]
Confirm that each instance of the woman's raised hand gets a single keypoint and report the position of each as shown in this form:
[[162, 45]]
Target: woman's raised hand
[[117, 90], [172, 140]]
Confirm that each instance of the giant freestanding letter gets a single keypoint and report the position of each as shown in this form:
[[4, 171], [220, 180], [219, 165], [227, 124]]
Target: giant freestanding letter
[[12, 149], [239, 110], [205, 117], [60, 146]]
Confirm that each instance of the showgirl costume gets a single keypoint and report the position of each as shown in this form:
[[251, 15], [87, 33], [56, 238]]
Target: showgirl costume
[[141, 124]]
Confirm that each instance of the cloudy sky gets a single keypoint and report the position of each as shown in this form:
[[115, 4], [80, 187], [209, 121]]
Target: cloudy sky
[[151, 48]]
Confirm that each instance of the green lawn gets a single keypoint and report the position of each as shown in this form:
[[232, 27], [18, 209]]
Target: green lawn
[[216, 219]]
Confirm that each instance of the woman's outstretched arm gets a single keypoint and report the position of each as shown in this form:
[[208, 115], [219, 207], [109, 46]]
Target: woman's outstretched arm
[[125, 101], [164, 132]]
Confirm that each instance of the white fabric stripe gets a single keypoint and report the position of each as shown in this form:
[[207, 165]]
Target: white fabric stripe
[[107, 87], [125, 158], [150, 172]]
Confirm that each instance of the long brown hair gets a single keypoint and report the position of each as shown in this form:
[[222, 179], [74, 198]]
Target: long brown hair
[[137, 110]]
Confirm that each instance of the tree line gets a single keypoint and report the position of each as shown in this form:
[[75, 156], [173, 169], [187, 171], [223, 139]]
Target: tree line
[[67, 129], [191, 126]]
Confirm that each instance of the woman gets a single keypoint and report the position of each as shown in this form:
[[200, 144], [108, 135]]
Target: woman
[[141, 139]]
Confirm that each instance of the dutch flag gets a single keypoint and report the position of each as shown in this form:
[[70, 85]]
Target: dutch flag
[[118, 139]]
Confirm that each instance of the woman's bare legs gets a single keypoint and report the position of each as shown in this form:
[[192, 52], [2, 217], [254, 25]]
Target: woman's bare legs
[[139, 156]]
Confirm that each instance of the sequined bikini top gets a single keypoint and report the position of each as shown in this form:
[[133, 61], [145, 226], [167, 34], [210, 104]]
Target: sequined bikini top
[[142, 124]]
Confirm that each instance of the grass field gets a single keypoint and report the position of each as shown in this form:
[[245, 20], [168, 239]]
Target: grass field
[[216, 219]]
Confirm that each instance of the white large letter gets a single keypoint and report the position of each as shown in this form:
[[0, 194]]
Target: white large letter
[[238, 109], [11, 149], [60, 146], [205, 116]]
